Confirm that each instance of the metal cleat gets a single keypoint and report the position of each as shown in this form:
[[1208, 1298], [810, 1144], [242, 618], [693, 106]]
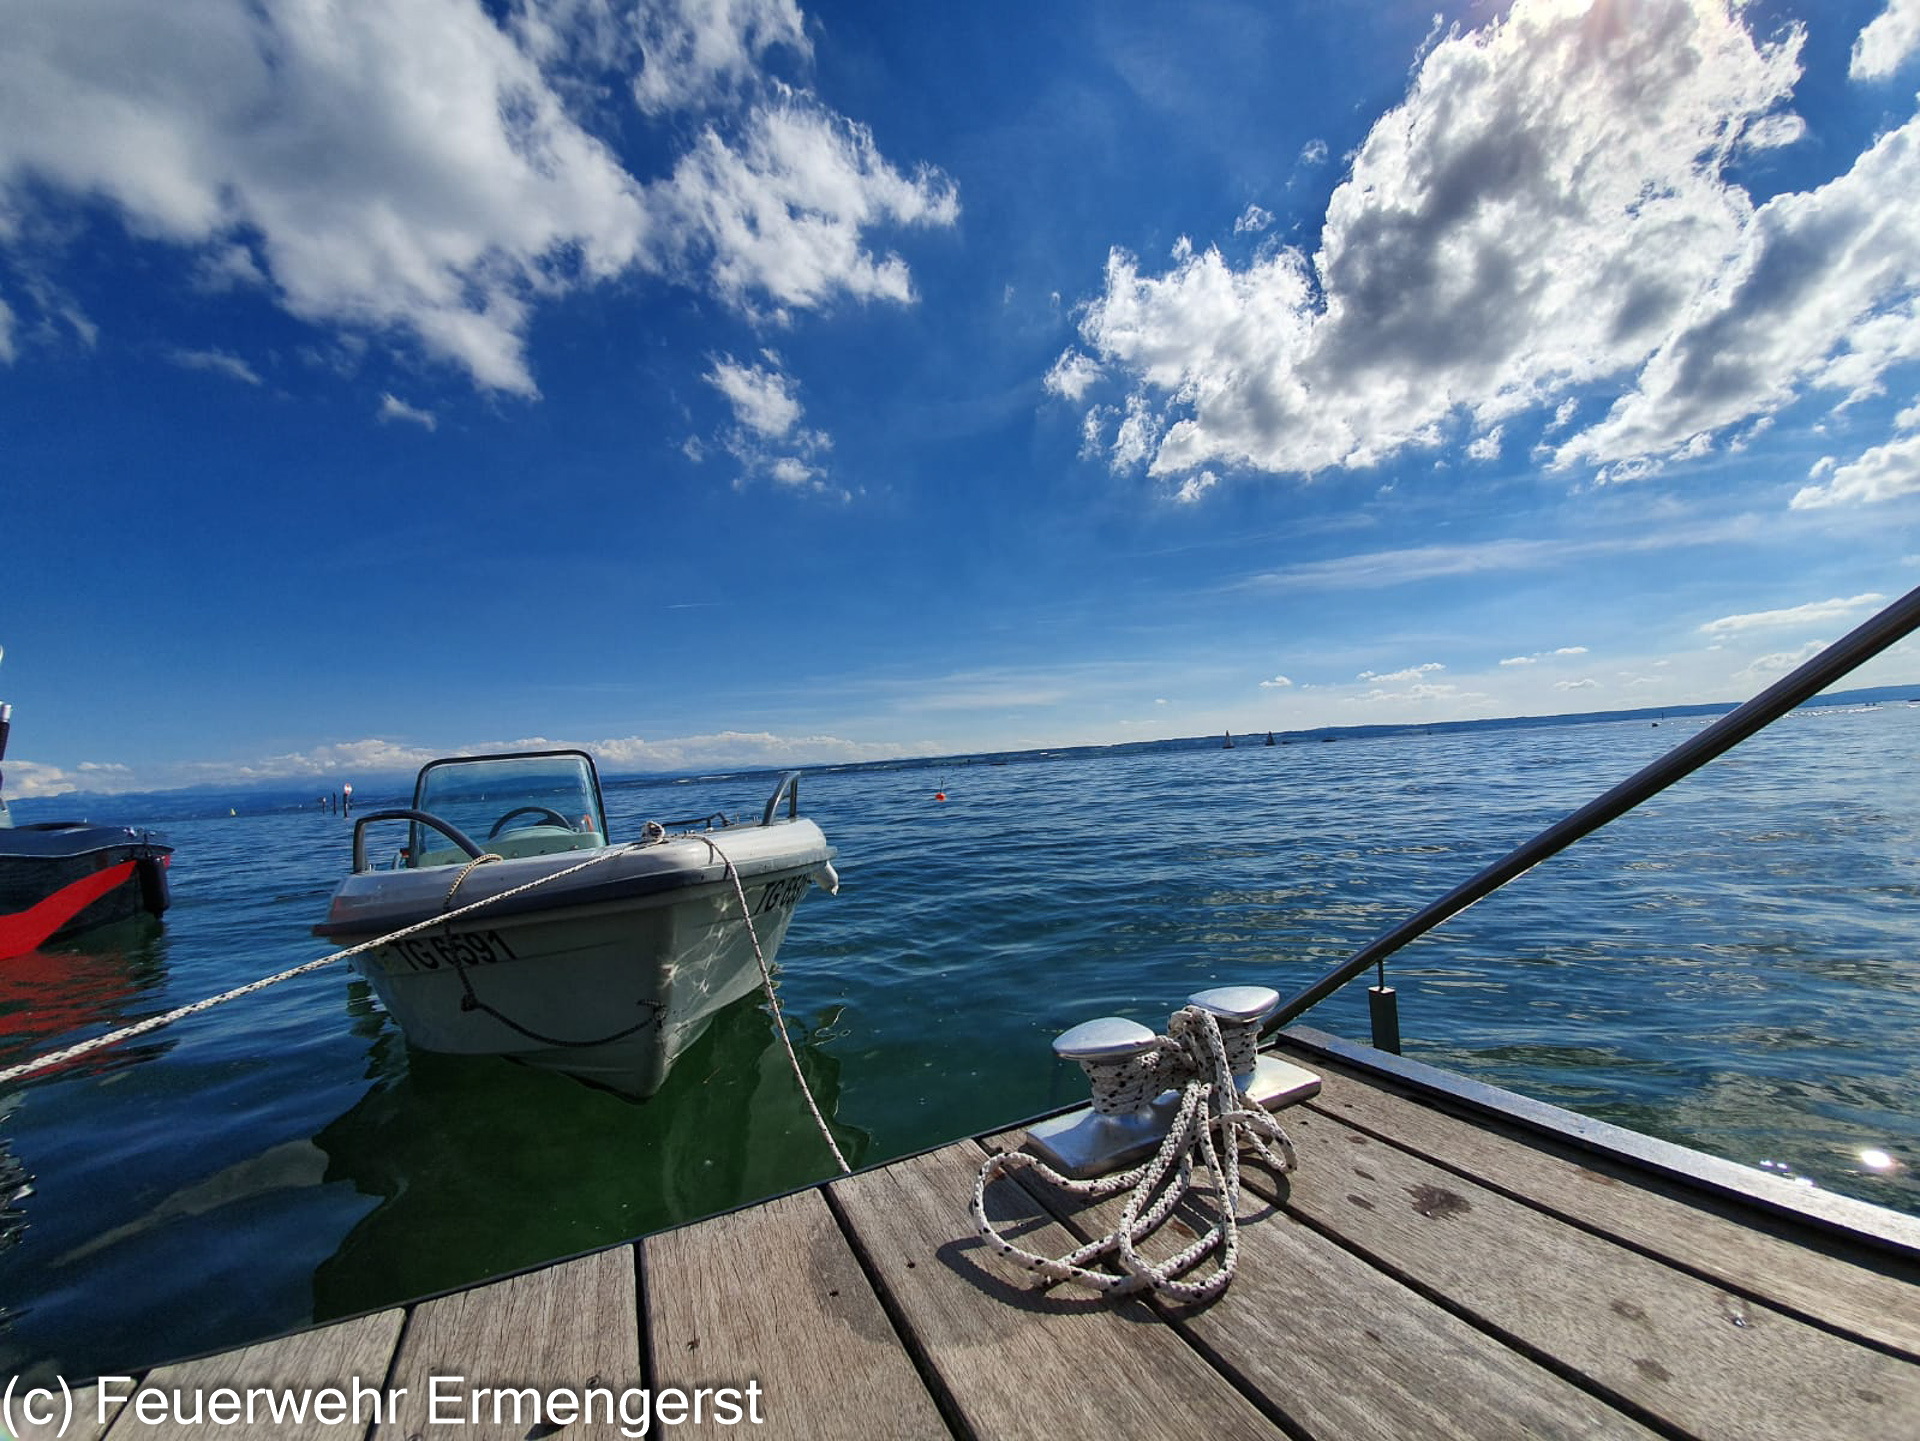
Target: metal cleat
[[1267, 1080], [1132, 1108]]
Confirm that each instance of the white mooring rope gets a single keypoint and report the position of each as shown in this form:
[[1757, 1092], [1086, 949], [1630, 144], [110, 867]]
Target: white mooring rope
[[1210, 1101], [773, 1002]]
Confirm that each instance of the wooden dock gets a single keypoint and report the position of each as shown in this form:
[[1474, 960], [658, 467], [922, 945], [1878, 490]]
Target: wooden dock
[[1447, 1261]]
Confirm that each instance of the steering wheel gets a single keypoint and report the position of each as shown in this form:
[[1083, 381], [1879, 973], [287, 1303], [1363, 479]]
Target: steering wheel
[[546, 813]]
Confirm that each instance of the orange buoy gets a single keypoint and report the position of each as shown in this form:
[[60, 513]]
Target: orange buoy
[[939, 795]]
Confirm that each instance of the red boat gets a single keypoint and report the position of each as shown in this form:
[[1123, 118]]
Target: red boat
[[59, 878]]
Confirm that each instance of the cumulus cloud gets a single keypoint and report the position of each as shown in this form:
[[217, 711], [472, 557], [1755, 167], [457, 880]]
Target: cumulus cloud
[[1279, 682], [696, 50], [762, 397], [1253, 219], [1819, 612], [433, 171], [1885, 44], [1439, 299], [1073, 374], [1823, 291], [767, 438], [780, 215], [1882, 473]]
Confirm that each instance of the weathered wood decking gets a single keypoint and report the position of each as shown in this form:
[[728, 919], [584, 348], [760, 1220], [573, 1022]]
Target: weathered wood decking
[[1425, 1273]]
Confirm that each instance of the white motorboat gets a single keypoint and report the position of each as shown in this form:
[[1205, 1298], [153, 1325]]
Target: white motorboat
[[604, 961]]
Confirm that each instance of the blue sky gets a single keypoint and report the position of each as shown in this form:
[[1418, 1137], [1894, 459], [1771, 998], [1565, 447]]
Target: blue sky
[[740, 383]]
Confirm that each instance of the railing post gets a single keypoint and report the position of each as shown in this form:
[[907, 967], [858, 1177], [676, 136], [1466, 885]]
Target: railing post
[[1859, 645]]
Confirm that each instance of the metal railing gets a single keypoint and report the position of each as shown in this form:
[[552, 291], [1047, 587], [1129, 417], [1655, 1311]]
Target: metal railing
[[1851, 650]]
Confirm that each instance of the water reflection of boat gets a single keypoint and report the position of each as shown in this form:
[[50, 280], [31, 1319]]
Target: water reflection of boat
[[51, 996], [481, 1168], [602, 961]]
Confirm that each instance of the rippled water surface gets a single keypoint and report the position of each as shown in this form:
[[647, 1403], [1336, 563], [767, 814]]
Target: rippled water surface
[[1732, 966]]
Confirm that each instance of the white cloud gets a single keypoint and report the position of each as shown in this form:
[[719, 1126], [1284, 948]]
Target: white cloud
[[1426, 562], [767, 437], [1882, 473], [420, 172], [1425, 693], [7, 350], [1073, 374], [1780, 662], [762, 396], [1194, 486], [397, 166], [1539, 656], [1823, 291], [1888, 40], [1135, 440], [1819, 612], [1279, 682], [1410, 673], [1314, 152], [695, 49], [1486, 447], [394, 408], [1585, 683], [29, 779], [783, 212], [217, 361], [1440, 286], [1253, 219]]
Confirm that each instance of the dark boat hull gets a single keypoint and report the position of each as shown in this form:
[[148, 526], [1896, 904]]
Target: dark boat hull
[[74, 877]]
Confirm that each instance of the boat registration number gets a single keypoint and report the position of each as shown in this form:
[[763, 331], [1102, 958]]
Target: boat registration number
[[430, 953], [780, 895]]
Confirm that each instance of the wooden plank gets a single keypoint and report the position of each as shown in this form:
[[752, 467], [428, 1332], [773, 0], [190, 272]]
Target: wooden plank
[[1690, 1352], [506, 1355], [328, 1382], [1349, 1352], [1015, 1361], [773, 1293], [1656, 1215], [87, 1419]]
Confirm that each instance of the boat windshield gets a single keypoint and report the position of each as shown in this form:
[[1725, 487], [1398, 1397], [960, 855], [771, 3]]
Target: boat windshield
[[515, 805]]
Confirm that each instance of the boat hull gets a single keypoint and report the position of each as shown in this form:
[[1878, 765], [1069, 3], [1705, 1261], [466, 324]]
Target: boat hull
[[63, 879], [604, 986]]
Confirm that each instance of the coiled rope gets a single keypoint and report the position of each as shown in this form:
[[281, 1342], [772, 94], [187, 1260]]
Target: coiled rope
[[1193, 1058]]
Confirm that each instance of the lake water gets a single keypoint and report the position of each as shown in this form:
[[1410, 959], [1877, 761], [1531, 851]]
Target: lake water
[[1731, 966]]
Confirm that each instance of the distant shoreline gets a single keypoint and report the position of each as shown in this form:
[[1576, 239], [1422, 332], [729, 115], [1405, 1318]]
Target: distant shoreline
[[294, 793]]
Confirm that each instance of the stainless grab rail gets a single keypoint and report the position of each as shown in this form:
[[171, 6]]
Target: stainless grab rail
[[1856, 647], [789, 787]]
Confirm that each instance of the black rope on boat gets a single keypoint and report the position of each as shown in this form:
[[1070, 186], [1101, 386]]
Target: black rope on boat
[[472, 1002]]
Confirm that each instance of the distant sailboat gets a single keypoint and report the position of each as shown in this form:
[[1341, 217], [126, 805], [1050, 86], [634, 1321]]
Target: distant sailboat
[[1229, 745], [1269, 737]]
